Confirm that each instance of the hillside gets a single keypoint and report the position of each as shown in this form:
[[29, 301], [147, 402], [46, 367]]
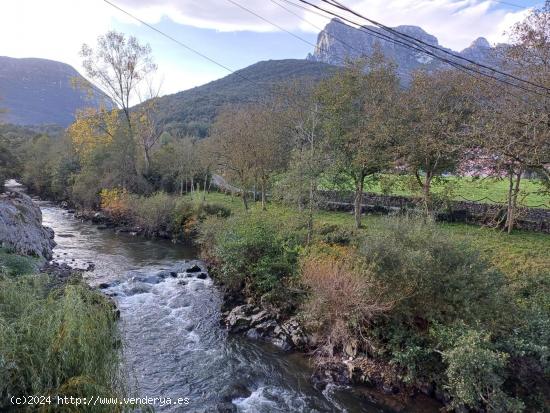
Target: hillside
[[192, 111], [39, 92]]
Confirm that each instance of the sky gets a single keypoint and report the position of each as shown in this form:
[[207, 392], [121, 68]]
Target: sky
[[219, 29]]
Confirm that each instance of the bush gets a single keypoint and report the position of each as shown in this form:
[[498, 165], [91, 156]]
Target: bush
[[214, 209], [342, 300], [117, 203], [334, 234], [430, 276], [153, 213], [13, 264], [475, 372], [56, 342], [430, 307], [256, 250]]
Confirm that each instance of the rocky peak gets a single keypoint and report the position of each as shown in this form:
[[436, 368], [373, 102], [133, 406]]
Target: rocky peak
[[338, 42], [480, 42]]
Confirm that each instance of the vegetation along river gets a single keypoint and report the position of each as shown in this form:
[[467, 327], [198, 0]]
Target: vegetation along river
[[173, 343]]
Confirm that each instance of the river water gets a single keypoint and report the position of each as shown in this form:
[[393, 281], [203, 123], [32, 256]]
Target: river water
[[173, 344]]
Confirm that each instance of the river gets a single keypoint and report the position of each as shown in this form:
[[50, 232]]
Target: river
[[173, 344]]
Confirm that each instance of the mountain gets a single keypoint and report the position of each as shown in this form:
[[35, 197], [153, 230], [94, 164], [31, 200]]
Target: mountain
[[338, 42], [192, 111], [40, 91]]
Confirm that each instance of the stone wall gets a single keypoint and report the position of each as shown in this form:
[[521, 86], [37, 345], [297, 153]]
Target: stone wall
[[531, 219]]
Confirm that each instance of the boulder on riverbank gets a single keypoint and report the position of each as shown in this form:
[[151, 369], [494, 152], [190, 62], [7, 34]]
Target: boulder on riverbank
[[21, 229], [262, 324]]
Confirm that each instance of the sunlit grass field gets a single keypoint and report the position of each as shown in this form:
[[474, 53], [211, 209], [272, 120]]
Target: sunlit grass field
[[486, 190]]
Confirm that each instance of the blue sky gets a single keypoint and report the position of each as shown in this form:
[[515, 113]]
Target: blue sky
[[56, 29]]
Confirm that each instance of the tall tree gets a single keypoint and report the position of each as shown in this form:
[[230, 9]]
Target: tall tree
[[301, 111], [357, 104], [148, 129], [434, 113], [117, 65], [232, 133], [513, 127]]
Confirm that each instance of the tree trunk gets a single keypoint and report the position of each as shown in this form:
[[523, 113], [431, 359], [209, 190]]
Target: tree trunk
[[426, 193], [181, 186], [512, 202], [204, 189], [147, 160], [358, 201], [263, 196], [245, 200], [310, 213]]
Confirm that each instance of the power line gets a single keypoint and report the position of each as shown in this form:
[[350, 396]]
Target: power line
[[407, 46], [511, 4], [417, 47], [339, 5], [180, 43], [315, 26], [270, 22]]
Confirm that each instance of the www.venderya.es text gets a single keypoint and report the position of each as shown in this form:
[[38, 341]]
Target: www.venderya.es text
[[98, 401]]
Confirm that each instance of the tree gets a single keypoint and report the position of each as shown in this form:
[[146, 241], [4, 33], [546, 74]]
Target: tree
[[357, 110], [233, 132], [513, 126], [93, 128], [117, 66], [147, 129], [434, 114], [268, 142], [301, 111]]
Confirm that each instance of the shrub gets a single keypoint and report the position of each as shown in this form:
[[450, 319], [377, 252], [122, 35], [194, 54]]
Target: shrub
[[117, 203], [343, 298], [257, 250], [153, 213], [431, 276], [210, 208], [183, 220], [475, 372], [56, 342], [13, 264], [334, 234]]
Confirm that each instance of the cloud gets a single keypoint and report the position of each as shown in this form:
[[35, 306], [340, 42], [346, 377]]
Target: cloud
[[456, 23], [56, 29], [50, 29]]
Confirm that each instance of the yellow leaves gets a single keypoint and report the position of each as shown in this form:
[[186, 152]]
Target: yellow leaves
[[115, 202], [93, 128]]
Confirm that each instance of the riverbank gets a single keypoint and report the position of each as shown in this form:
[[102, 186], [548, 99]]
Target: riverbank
[[59, 336], [259, 258], [403, 306]]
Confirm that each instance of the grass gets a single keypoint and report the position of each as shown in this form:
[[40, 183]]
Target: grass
[[56, 338], [485, 190], [520, 254]]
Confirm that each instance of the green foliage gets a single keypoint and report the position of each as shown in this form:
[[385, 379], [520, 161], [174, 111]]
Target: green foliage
[[218, 210], [13, 264], [334, 234], [257, 251], [475, 371], [153, 213], [431, 275], [61, 341]]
